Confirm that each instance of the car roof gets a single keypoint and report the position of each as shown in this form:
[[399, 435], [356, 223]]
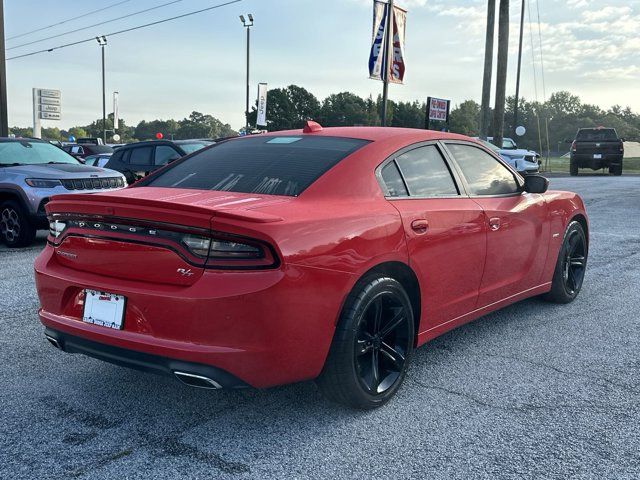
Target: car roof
[[145, 143], [374, 133]]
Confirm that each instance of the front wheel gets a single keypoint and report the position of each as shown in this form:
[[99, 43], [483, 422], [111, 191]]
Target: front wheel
[[372, 345], [16, 230], [570, 266]]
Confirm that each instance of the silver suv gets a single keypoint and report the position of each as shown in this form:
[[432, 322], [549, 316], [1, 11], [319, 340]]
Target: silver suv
[[31, 171]]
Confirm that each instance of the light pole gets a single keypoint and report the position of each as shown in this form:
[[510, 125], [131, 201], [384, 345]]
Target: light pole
[[247, 24], [102, 41]]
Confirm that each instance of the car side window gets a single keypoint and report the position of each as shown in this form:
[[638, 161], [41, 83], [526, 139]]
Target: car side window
[[393, 180], [141, 156], [426, 173], [485, 175], [77, 150], [164, 153]]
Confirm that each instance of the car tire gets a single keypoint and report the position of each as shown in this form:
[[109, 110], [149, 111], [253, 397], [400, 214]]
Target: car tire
[[573, 168], [571, 265], [616, 169], [372, 345], [16, 230]]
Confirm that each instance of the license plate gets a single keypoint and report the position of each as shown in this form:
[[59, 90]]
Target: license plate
[[597, 156], [104, 309]]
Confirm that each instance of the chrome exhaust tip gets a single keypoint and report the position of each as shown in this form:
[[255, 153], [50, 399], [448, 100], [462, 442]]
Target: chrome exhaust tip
[[197, 381], [53, 341]]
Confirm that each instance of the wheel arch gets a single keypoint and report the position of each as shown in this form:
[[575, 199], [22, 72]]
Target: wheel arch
[[9, 194], [582, 220], [404, 274]]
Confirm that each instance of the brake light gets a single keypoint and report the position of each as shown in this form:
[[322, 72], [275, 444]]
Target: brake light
[[200, 247]]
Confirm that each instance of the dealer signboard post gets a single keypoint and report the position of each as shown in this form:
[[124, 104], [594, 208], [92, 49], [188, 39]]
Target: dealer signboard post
[[47, 105], [438, 111]]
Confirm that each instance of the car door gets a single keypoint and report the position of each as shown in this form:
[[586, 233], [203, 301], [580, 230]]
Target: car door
[[516, 223], [444, 230]]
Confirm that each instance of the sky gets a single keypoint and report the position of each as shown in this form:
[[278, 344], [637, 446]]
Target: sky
[[589, 47]]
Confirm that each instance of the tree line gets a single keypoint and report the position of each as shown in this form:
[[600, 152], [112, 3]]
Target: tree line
[[288, 108], [196, 125]]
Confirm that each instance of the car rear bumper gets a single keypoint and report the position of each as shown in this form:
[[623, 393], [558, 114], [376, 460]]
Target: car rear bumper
[[264, 328], [586, 160], [194, 374]]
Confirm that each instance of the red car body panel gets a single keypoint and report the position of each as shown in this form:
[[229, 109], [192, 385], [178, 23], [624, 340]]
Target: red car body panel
[[275, 326]]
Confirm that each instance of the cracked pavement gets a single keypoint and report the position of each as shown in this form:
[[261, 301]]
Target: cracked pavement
[[532, 391]]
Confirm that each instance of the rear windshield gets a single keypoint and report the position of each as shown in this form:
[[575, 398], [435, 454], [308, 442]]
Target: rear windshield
[[260, 164], [596, 134]]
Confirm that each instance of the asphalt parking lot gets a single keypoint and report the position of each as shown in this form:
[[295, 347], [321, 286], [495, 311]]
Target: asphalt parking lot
[[533, 391]]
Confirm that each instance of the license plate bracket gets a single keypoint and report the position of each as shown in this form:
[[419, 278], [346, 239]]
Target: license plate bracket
[[104, 309]]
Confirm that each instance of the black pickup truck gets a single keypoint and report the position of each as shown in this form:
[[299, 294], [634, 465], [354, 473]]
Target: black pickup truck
[[597, 148]]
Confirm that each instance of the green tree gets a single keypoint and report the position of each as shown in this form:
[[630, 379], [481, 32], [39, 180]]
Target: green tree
[[343, 109], [465, 118], [288, 108]]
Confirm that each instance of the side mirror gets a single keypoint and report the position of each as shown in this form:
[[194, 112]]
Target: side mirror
[[536, 184]]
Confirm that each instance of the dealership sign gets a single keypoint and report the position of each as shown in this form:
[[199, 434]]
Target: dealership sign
[[47, 105], [438, 109], [379, 62]]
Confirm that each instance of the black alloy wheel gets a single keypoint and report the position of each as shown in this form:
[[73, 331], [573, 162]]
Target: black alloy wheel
[[571, 265], [372, 345], [382, 342], [574, 262], [15, 228]]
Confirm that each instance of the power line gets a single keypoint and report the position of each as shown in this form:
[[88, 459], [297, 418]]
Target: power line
[[95, 24], [68, 20], [92, 39]]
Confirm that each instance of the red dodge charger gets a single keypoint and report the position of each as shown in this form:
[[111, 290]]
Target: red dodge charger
[[325, 254]]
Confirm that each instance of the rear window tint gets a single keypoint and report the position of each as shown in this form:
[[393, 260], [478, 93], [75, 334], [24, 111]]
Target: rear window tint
[[260, 164], [597, 134]]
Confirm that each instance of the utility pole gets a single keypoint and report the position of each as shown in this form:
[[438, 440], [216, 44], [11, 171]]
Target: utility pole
[[485, 114], [516, 106], [247, 24], [388, 56], [501, 72], [102, 41], [4, 125]]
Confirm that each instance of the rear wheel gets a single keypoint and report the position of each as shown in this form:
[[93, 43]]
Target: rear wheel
[[16, 230], [372, 346], [573, 168], [570, 266], [616, 169]]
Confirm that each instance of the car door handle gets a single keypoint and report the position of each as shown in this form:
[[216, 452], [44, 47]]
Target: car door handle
[[494, 224], [420, 226]]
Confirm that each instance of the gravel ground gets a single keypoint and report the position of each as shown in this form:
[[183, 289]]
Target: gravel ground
[[532, 391]]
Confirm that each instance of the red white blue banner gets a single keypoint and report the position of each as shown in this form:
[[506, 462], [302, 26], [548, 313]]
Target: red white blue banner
[[379, 64], [377, 56]]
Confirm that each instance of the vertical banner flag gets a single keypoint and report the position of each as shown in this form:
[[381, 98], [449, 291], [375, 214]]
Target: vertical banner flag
[[397, 66], [379, 40], [261, 119], [116, 115], [379, 48]]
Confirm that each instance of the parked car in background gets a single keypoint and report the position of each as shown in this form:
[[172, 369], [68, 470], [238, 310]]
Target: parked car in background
[[136, 160], [523, 161], [84, 150], [596, 148], [90, 141], [31, 171], [507, 143], [99, 160], [316, 253]]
